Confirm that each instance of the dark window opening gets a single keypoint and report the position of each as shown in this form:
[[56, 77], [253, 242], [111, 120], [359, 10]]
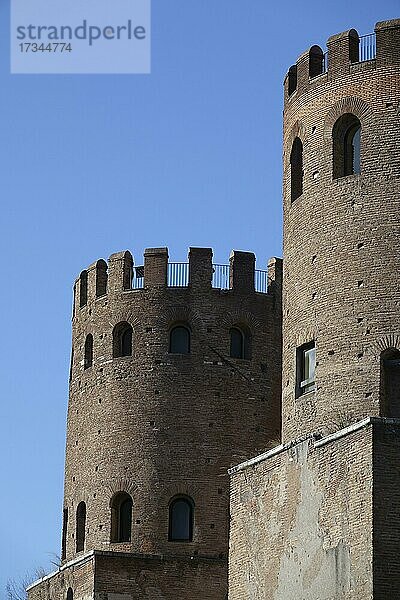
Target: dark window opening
[[390, 383], [70, 594], [83, 289], [179, 340], [64, 534], [316, 61], [101, 278], [88, 360], [122, 340], [181, 513], [305, 377], [296, 170], [292, 76], [121, 517], [346, 146], [80, 526], [239, 343]]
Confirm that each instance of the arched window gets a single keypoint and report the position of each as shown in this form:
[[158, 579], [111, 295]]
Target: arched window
[[296, 169], [121, 517], [181, 515], [122, 340], [88, 360], [390, 383], [316, 61], [80, 526], [292, 79], [83, 288], [70, 594], [101, 278], [179, 340], [239, 343], [346, 135]]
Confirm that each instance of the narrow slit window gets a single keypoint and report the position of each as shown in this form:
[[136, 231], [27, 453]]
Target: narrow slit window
[[80, 526], [88, 360], [296, 170], [83, 289], [64, 534], [101, 278]]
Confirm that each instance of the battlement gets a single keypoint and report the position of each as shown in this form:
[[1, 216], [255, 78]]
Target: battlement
[[122, 274], [346, 52]]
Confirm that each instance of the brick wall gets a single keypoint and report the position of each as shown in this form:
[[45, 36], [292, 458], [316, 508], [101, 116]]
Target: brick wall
[[342, 236], [157, 424]]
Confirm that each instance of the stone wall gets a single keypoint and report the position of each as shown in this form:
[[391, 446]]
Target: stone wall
[[302, 521]]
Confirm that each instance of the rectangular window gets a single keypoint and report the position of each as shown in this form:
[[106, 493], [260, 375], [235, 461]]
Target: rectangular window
[[305, 380]]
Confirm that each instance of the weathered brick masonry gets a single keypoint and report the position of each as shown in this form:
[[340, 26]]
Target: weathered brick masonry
[[342, 235], [317, 517], [158, 424]]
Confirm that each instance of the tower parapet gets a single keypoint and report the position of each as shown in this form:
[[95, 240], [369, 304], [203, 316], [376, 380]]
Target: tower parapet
[[199, 273], [347, 53]]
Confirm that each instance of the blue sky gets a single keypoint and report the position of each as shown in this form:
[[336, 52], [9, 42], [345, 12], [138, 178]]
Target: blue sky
[[90, 165]]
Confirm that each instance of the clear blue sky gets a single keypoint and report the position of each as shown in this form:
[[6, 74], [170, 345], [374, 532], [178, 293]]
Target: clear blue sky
[[89, 165]]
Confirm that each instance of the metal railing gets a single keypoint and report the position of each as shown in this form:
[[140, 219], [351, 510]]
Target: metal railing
[[261, 281], [220, 278], [178, 276], [138, 278], [367, 48]]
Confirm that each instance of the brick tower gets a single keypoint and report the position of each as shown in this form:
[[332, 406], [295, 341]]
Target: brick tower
[[319, 516], [175, 377]]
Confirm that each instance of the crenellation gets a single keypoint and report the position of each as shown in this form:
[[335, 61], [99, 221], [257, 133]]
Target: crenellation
[[155, 267], [241, 272], [200, 268], [387, 43]]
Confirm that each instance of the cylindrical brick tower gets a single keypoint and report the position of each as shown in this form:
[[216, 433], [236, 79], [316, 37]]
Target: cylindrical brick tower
[[341, 300], [173, 380]]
